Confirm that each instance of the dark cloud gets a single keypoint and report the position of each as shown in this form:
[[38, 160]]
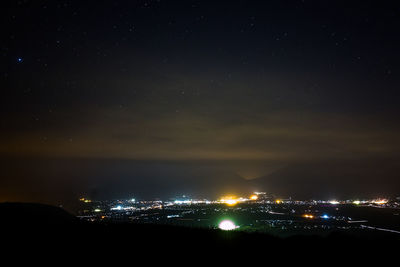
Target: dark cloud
[[197, 90]]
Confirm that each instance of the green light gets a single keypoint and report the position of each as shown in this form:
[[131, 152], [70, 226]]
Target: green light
[[227, 225]]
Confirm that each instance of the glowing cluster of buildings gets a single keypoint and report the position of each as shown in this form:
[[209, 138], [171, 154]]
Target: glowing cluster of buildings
[[380, 201], [258, 211]]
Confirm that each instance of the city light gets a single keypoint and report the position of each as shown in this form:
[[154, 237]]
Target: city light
[[313, 213], [229, 200], [380, 201], [227, 225], [181, 202], [85, 200], [253, 197]]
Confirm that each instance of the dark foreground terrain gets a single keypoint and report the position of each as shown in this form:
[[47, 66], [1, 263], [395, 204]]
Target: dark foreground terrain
[[44, 230]]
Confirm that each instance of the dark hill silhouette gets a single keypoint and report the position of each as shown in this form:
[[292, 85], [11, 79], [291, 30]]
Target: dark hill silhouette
[[117, 179], [334, 179], [168, 180], [34, 214]]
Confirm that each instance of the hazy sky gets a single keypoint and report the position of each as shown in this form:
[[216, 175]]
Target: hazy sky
[[119, 94]]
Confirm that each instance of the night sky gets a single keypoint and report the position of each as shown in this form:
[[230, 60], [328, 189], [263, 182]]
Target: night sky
[[112, 99]]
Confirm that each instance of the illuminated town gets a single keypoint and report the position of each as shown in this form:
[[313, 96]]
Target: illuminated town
[[258, 212]]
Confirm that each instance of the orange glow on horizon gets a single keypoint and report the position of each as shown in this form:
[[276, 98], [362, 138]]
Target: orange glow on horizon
[[380, 201], [229, 200]]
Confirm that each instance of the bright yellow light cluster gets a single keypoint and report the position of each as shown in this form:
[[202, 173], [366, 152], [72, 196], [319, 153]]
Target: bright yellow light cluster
[[308, 216], [232, 200], [278, 201], [253, 197], [380, 201], [85, 200], [229, 200]]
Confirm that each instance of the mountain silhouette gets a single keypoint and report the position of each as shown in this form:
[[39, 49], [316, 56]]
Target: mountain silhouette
[[34, 214], [335, 179]]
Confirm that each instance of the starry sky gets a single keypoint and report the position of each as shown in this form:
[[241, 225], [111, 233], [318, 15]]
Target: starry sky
[[156, 98]]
